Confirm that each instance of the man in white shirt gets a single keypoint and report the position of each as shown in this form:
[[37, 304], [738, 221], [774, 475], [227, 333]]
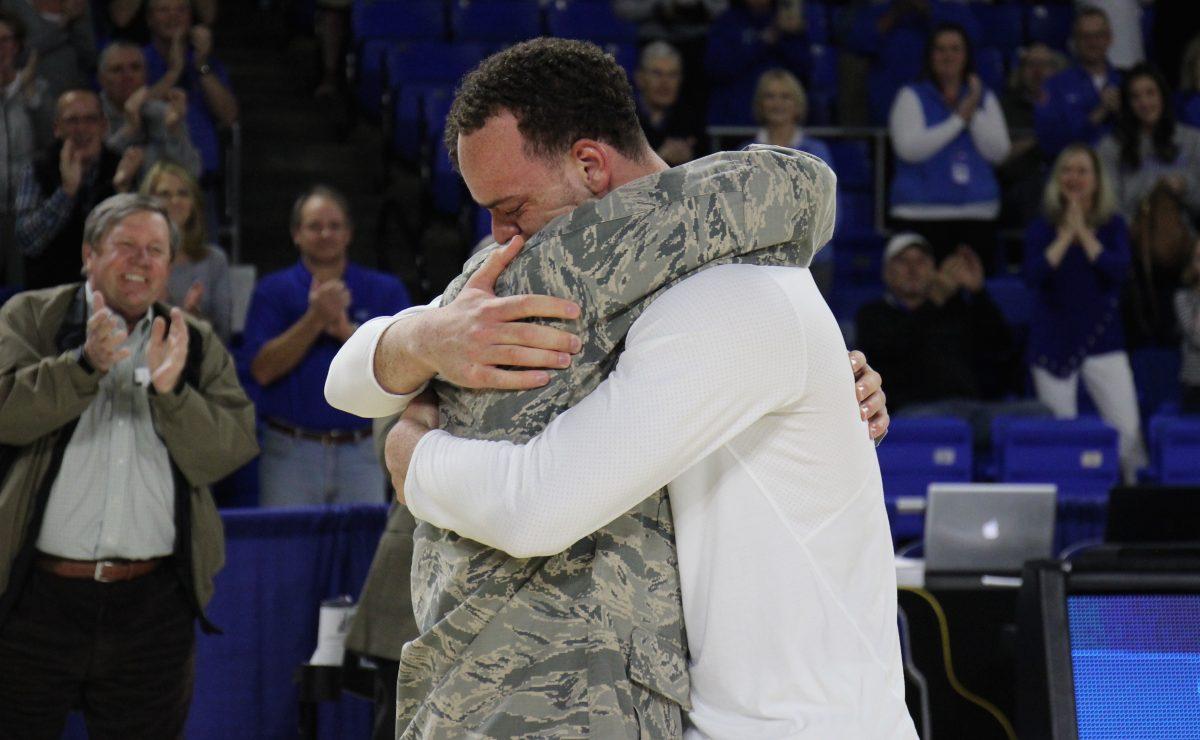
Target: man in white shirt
[[768, 467]]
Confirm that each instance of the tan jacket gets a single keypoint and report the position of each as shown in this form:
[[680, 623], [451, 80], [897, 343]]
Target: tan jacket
[[207, 426]]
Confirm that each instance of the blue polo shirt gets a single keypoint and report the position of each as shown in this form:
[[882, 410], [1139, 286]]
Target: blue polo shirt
[[1062, 116], [202, 127], [279, 300]]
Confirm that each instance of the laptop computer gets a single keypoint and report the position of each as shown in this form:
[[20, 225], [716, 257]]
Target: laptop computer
[[988, 528]]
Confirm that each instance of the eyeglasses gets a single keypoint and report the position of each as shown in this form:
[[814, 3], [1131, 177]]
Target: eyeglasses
[[90, 119]]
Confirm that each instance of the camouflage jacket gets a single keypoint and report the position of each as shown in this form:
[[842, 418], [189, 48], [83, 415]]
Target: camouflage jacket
[[589, 642]]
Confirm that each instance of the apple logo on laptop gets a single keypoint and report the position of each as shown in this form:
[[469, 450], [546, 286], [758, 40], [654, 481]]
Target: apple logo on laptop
[[991, 529]]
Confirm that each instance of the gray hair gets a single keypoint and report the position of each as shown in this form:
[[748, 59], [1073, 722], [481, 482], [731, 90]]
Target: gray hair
[[114, 46], [113, 210], [658, 50], [321, 191]]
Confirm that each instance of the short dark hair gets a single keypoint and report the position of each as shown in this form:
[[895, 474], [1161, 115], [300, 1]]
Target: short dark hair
[[560, 91], [321, 191], [968, 47]]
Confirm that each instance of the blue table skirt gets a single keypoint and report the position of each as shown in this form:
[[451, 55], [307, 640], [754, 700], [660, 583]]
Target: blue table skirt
[[280, 565]]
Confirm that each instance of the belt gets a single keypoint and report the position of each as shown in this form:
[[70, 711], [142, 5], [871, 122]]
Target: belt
[[104, 571], [331, 437]]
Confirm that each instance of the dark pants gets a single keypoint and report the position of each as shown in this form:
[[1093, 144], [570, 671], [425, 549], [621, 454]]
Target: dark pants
[[123, 653], [385, 699], [1190, 403]]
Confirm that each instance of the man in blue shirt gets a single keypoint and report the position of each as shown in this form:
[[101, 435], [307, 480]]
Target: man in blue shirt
[[298, 319], [1081, 103]]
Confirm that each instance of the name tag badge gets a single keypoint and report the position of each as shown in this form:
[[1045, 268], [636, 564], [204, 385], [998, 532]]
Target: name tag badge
[[960, 173]]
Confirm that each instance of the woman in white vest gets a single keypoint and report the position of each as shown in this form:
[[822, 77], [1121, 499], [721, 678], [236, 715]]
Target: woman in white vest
[[948, 131]]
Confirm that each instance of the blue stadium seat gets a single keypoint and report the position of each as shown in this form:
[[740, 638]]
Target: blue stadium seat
[[1012, 297], [1156, 377], [923, 451], [989, 64], [823, 69], [590, 20], [1175, 449], [445, 186], [1001, 25], [857, 213], [495, 21], [1049, 23], [430, 61], [369, 86], [858, 260], [852, 163], [847, 298], [816, 21], [398, 20], [1078, 455]]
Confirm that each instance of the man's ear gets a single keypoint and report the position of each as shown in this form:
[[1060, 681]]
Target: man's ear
[[88, 253], [592, 161]]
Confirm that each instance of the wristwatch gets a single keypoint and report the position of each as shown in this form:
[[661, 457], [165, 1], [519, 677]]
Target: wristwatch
[[204, 69]]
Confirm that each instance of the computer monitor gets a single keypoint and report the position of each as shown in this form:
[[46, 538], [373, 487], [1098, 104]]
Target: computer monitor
[[1153, 514], [1108, 653]]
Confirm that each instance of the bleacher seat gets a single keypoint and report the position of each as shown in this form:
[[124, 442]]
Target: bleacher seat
[[858, 260], [1078, 455], [1012, 297], [918, 452], [414, 72], [369, 74], [495, 21], [989, 65], [1001, 25], [1156, 377], [398, 20], [1049, 23], [589, 19], [1175, 449], [816, 22], [857, 213], [852, 163]]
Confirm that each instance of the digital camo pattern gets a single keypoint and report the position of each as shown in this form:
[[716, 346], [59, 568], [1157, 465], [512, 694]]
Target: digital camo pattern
[[589, 642]]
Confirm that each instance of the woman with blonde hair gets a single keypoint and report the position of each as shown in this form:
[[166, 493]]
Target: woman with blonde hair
[[781, 108], [199, 281], [1077, 258]]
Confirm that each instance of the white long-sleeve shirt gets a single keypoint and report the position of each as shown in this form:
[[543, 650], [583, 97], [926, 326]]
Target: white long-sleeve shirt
[[734, 389]]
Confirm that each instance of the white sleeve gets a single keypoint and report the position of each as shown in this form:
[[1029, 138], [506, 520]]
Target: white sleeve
[[912, 140], [705, 361], [351, 385], [989, 130]]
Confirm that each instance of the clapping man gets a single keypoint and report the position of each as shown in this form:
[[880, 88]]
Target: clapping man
[[116, 414]]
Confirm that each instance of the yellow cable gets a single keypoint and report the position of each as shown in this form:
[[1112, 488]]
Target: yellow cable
[[944, 631]]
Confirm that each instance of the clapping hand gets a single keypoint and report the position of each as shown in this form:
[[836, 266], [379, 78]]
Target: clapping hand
[[106, 333], [165, 355], [127, 169], [970, 102], [191, 301], [330, 302]]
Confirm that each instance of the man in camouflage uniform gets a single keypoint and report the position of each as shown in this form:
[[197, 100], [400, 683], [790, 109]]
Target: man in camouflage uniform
[[588, 642]]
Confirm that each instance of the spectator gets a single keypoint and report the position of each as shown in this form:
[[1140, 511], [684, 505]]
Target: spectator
[[747, 40], [780, 108], [120, 413], [60, 31], [940, 338], [21, 92], [892, 34], [1187, 312], [1077, 259], [1187, 101], [60, 188], [298, 318], [675, 131], [1081, 102], [1149, 148], [684, 25], [199, 281], [127, 18], [947, 130], [157, 124], [1022, 174], [1125, 17], [1154, 164], [180, 55]]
